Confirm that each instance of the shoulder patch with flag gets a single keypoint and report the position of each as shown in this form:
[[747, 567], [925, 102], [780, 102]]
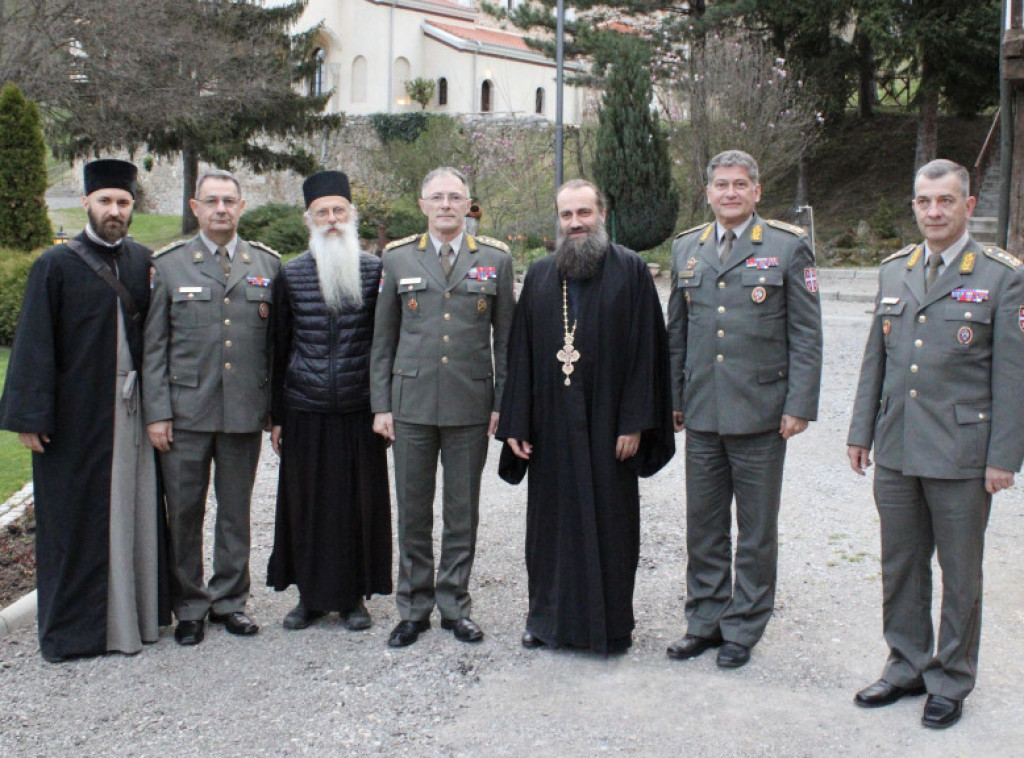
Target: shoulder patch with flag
[[811, 279]]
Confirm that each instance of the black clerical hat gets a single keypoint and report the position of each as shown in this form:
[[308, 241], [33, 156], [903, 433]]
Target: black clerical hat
[[326, 184], [110, 174]]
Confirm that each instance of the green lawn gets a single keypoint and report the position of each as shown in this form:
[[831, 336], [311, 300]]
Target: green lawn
[[150, 229], [15, 461]]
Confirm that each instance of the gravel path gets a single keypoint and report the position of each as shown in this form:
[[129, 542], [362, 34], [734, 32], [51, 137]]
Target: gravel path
[[327, 691]]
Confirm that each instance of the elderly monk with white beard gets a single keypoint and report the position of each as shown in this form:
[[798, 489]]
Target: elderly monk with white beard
[[587, 410], [332, 536]]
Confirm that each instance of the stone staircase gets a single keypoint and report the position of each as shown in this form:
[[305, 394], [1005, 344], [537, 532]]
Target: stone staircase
[[984, 224]]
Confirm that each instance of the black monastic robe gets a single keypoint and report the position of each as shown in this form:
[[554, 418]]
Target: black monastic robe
[[583, 507], [61, 382]]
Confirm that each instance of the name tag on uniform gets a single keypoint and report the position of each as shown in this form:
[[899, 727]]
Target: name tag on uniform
[[190, 290], [411, 280], [890, 300]]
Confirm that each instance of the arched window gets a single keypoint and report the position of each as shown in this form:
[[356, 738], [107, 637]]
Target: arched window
[[400, 75], [317, 84], [359, 79], [485, 96], [538, 102], [442, 91]]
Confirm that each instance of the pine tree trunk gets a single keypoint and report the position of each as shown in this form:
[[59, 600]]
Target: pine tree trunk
[[927, 119], [865, 75], [801, 180], [190, 169]]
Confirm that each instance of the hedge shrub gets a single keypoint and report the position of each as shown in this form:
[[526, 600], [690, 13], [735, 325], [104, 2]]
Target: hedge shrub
[[277, 225], [14, 268]]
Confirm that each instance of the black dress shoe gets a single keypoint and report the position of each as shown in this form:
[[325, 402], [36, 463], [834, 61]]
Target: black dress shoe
[[407, 632], [357, 619], [732, 655], [301, 617], [531, 641], [941, 712], [690, 646], [236, 622], [189, 632], [883, 693], [464, 629]]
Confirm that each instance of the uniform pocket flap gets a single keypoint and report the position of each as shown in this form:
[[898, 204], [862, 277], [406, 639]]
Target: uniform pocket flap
[[482, 370], [772, 373], [406, 369], [184, 294], [768, 278], [972, 413], [891, 309], [258, 294], [980, 314], [483, 288], [689, 278], [185, 376], [407, 285]]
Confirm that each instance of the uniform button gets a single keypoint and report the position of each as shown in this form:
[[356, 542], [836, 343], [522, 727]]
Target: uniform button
[[227, 322], [913, 393], [762, 280], [447, 295], [191, 295], [721, 309], [227, 343], [968, 314], [444, 359], [719, 358], [721, 332], [981, 416], [227, 366], [721, 285], [447, 317], [174, 377], [444, 338], [922, 318], [913, 369], [227, 300], [918, 343]]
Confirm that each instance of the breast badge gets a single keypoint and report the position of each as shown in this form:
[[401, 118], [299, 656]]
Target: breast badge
[[758, 295], [481, 305], [965, 335], [886, 327], [264, 310], [413, 305]]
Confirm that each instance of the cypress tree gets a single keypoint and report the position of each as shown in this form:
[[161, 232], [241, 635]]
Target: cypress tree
[[24, 224], [631, 163]]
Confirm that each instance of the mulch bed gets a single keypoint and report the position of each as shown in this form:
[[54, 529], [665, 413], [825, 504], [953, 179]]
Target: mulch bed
[[17, 558]]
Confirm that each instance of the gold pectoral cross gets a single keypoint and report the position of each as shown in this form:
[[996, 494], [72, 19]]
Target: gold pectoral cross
[[568, 355]]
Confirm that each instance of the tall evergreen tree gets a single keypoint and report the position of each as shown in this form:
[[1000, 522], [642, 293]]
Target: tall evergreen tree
[[24, 224], [631, 163]]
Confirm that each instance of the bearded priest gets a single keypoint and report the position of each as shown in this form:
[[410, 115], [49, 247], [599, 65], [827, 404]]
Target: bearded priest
[[332, 536]]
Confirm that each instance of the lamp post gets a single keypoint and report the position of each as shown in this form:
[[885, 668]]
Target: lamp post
[[810, 214], [60, 237], [559, 82]]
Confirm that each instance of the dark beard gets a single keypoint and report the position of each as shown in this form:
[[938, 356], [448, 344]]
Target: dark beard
[[581, 259], [111, 233]]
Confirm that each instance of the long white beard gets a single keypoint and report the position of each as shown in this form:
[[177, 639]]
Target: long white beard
[[337, 264]]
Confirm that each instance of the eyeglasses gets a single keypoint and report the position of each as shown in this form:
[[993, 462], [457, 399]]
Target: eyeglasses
[[322, 214], [453, 198], [213, 202]]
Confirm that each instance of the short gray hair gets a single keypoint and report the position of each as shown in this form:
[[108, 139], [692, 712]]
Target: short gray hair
[[443, 171], [734, 158], [941, 167], [580, 184], [217, 173]]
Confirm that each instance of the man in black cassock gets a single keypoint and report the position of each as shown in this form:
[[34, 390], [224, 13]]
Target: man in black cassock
[[332, 535], [72, 395], [587, 409]]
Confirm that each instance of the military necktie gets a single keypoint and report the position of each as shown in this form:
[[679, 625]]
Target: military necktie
[[225, 260], [446, 259], [727, 245], [934, 261]]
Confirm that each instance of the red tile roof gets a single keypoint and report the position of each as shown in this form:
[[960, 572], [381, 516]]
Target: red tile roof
[[488, 36]]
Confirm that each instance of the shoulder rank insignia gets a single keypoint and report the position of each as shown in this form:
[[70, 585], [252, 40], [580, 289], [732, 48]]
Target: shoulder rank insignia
[[757, 234], [403, 241], [264, 248], [707, 233], [967, 262], [998, 254], [487, 241], [693, 229], [791, 228], [899, 254], [168, 248]]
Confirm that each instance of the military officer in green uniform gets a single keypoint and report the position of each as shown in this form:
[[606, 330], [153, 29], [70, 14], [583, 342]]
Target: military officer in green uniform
[[745, 347], [437, 370], [939, 399], [206, 399]]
